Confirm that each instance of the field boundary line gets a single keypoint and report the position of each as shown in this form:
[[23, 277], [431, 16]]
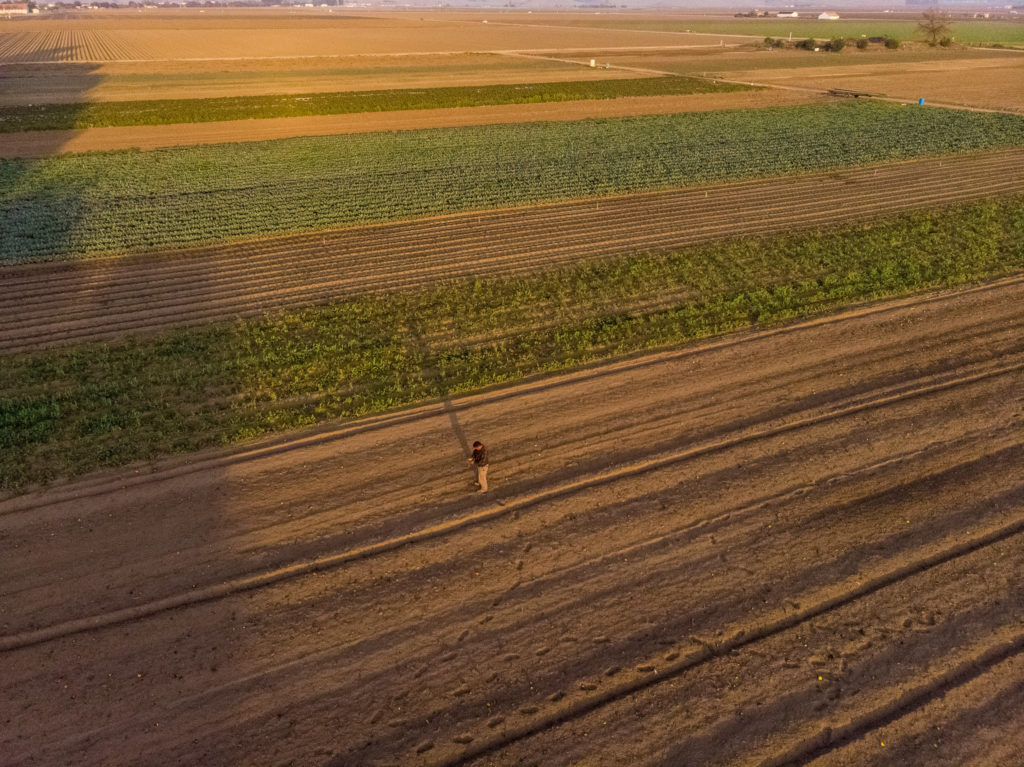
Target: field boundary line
[[601, 369], [830, 738], [253, 581], [743, 637]]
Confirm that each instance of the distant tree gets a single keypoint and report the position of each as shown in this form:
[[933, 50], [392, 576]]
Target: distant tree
[[837, 44], [808, 45], [934, 25], [862, 43], [892, 42]]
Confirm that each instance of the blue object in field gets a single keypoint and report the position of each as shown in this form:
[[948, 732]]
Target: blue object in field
[[920, 102]]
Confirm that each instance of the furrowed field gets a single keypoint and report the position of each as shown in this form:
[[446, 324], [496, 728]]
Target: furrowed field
[[747, 357], [157, 112], [97, 405], [120, 202]]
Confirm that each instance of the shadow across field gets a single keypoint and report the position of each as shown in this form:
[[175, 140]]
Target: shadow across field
[[24, 186], [21, 188]]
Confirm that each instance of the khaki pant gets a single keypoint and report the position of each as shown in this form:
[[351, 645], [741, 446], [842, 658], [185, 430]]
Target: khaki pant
[[481, 478]]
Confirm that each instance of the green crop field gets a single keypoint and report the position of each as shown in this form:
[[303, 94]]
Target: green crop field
[[163, 112], [68, 411], [75, 206]]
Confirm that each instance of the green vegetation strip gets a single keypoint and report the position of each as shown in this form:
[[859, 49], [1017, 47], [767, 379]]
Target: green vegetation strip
[[165, 112], [69, 411], [75, 206]]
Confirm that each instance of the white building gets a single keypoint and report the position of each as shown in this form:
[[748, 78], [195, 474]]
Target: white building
[[13, 9], [829, 16]]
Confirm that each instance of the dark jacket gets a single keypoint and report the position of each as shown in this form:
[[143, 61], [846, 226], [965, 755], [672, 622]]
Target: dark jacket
[[480, 456]]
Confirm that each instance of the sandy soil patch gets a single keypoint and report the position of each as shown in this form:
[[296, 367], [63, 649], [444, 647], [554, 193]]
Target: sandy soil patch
[[48, 143], [786, 546]]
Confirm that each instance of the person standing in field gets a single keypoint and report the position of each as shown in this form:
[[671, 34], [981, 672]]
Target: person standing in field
[[479, 459]]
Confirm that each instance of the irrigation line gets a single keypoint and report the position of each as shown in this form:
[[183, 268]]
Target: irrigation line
[[499, 509]]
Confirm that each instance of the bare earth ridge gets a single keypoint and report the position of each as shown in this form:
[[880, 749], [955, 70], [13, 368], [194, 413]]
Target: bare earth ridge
[[796, 546], [55, 304]]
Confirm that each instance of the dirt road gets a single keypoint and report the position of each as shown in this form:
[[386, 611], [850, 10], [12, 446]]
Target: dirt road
[[800, 546], [54, 304]]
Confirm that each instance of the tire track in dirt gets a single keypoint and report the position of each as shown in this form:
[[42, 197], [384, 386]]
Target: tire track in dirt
[[969, 668], [53, 304], [709, 651], [200, 594]]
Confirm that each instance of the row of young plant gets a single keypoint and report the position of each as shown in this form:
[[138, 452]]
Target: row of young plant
[[69, 411], [165, 112], [74, 206]]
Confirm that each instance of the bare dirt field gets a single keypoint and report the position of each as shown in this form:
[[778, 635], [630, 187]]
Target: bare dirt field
[[48, 305], [224, 34], [49, 143], [801, 546], [989, 84], [130, 81], [982, 79]]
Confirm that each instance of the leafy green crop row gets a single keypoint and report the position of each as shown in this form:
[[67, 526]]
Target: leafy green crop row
[[74, 206], [164, 112], [68, 411]]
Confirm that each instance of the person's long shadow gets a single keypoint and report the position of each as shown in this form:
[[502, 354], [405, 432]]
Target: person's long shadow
[[433, 377]]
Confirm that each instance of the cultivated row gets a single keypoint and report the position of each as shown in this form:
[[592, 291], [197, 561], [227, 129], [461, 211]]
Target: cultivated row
[[794, 538], [53, 304]]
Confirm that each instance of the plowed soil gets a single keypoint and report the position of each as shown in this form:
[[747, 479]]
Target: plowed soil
[[802, 546], [55, 304], [130, 81], [49, 143], [986, 84], [231, 34]]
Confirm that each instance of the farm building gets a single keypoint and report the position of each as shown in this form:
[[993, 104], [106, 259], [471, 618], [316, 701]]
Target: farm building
[[13, 9], [829, 16], [787, 15]]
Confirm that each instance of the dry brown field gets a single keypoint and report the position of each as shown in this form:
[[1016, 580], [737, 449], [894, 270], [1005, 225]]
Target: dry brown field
[[225, 34], [131, 81], [979, 79], [987, 84], [50, 305], [795, 547]]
